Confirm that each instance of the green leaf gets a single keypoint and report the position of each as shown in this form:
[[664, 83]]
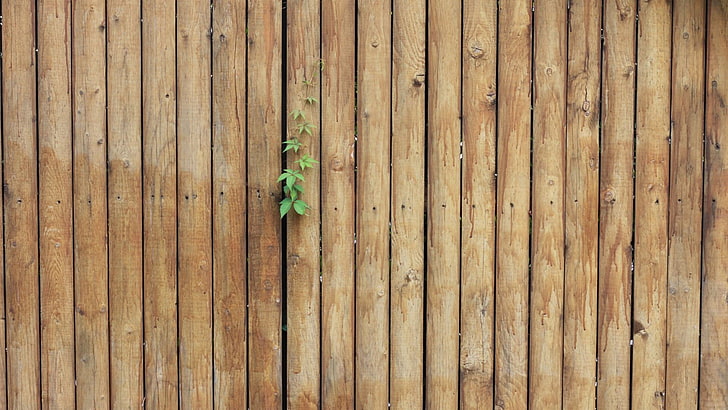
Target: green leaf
[[311, 100], [292, 143], [298, 188], [300, 207], [290, 180], [286, 204], [282, 177], [296, 114]]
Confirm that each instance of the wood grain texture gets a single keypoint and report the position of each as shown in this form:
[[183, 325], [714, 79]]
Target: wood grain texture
[[512, 231], [478, 204], [407, 244], [713, 343], [652, 164], [265, 118], [547, 189], [338, 123], [159, 204], [124, 197], [581, 205], [372, 205], [616, 205], [55, 196], [229, 204], [194, 225], [686, 176], [20, 189]]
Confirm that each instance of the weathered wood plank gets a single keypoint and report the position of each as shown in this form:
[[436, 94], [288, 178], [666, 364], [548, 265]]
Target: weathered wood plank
[[512, 231], [55, 196], [20, 190], [408, 205], [229, 204]]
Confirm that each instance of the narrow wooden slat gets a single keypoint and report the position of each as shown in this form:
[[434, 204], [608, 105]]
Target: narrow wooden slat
[[581, 205], [652, 161], [229, 204], [55, 203], [547, 240], [338, 45], [713, 342], [372, 205], [20, 191], [616, 205], [264, 227], [89, 199], [406, 375], [3, 323], [125, 203], [478, 204], [686, 177], [159, 205], [512, 231]]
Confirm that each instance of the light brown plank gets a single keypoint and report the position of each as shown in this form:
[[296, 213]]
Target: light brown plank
[[406, 372], [683, 282], [125, 203], [229, 204], [21, 212], [160, 209], [89, 198], [616, 205], [651, 191], [581, 205], [264, 227], [714, 345], [55, 203], [478, 204], [512, 231], [338, 44], [547, 239], [372, 205]]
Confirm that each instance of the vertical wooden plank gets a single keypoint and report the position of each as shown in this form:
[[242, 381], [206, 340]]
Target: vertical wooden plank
[[714, 345], [582, 204], [372, 205], [160, 205], [407, 244], [686, 176], [55, 203], [229, 204], [651, 191], [338, 45], [547, 240], [3, 323], [512, 231], [478, 203], [194, 225], [264, 227], [616, 205], [302, 249], [89, 198], [125, 203], [21, 206]]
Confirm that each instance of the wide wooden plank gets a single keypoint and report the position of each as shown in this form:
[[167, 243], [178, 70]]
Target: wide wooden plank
[[406, 372], [264, 227], [713, 343], [616, 205], [512, 231], [652, 162], [581, 205], [303, 261], [90, 207], [372, 206], [55, 196], [686, 183], [338, 122], [229, 204], [478, 204], [20, 189], [547, 239], [160, 205], [194, 224], [125, 203]]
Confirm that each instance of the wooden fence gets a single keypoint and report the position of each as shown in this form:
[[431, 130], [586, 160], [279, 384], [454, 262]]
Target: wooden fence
[[518, 204]]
